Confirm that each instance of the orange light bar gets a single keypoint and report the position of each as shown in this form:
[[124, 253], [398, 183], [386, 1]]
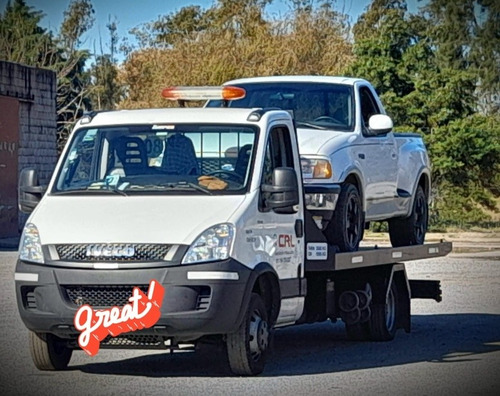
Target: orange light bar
[[204, 93]]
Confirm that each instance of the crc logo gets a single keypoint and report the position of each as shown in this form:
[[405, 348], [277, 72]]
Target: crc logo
[[285, 240], [110, 250]]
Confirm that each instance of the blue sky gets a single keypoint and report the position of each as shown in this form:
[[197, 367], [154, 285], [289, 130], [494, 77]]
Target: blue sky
[[131, 13]]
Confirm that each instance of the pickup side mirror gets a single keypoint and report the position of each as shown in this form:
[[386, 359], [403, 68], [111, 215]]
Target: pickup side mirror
[[380, 124], [283, 194], [29, 191]]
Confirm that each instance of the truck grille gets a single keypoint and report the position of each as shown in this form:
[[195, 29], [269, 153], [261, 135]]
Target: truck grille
[[134, 340], [141, 252], [101, 296]]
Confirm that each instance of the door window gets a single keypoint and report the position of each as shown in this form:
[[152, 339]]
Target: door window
[[278, 154], [368, 105]]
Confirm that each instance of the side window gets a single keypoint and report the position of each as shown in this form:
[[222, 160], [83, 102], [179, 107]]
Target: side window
[[278, 154], [80, 165], [368, 105]]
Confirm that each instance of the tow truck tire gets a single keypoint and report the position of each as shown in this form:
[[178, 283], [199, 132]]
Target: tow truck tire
[[383, 317], [411, 230], [347, 225], [49, 353], [248, 347]]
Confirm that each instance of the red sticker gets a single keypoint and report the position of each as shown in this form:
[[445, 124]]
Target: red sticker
[[142, 313]]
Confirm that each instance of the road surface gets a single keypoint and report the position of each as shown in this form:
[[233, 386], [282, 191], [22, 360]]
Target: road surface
[[453, 349]]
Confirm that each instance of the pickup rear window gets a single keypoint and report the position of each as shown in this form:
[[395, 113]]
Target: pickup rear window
[[170, 159], [313, 105]]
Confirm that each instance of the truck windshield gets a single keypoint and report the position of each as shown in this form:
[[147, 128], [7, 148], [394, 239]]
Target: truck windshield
[[313, 105], [164, 159]]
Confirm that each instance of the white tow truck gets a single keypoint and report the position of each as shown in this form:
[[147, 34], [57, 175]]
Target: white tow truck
[[210, 205]]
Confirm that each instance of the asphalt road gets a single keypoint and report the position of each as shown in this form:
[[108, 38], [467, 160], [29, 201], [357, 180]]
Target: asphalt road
[[453, 349]]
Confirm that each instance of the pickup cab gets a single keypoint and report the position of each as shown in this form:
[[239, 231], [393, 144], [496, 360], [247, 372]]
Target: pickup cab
[[209, 205], [346, 139]]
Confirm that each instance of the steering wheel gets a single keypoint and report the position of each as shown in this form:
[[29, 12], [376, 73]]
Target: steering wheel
[[328, 119], [227, 175]]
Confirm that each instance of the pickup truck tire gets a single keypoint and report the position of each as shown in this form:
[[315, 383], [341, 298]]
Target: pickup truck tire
[[346, 227], [248, 347], [383, 317], [411, 230], [49, 352]]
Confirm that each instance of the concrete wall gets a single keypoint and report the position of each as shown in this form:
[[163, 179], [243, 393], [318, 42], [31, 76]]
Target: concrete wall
[[35, 89]]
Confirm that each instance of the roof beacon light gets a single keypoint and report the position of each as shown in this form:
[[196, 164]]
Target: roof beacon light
[[204, 93]]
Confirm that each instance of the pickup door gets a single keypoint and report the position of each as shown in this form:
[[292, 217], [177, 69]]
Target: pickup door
[[377, 158]]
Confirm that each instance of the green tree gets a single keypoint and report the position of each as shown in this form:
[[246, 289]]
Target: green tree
[[423, 67], [22, 40], [105, 90]]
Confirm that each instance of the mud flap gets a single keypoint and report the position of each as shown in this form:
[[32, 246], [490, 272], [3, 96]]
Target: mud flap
[[428, 289]]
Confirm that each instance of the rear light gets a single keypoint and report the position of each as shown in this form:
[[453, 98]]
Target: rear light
[[204, 93]]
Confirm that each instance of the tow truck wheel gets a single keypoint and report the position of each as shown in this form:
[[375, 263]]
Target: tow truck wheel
[[411, 230], [247, 348], [383, 317], [49, 352], [346, 227]]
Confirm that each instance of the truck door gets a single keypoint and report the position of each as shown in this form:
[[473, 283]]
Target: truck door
[[377, 157], [284, 230]]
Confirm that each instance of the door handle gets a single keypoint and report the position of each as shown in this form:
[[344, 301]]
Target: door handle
[[361, 155], [299, 228]]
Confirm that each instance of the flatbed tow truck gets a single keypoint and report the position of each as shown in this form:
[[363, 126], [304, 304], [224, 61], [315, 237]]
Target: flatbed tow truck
[[222, 225]]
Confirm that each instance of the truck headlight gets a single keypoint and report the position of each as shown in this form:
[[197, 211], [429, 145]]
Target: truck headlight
[[316, 168], [30, 248], [213, 244]]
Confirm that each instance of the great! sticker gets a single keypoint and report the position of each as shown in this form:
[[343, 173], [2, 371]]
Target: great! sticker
[[142, 312]]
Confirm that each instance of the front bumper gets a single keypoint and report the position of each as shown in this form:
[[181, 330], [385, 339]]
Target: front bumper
[[199, 299], [321, 197]]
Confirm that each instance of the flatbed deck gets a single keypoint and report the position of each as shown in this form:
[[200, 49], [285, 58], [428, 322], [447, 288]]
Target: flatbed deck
[[373, 256]]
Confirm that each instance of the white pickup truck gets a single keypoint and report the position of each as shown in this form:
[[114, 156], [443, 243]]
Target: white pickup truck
[[346, 139]]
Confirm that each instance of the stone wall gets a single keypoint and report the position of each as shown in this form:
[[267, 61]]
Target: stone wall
[[35, 89]]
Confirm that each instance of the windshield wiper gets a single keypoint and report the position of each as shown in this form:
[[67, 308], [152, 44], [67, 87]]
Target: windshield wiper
[[116, 191], [91, 191], [182, 184], [309, 125]]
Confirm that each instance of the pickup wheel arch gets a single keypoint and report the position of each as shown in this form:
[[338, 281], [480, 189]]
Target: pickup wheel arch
[[411, 230]]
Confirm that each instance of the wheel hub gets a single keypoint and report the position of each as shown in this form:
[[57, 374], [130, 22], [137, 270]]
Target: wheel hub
[[258, 336]]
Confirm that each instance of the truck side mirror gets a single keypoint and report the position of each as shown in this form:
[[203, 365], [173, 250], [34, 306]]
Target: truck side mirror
[[380, 124], [29, 191], [283, 194]]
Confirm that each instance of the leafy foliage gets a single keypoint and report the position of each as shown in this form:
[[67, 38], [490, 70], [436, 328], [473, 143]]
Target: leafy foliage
[[233, 39], [427, 72]]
